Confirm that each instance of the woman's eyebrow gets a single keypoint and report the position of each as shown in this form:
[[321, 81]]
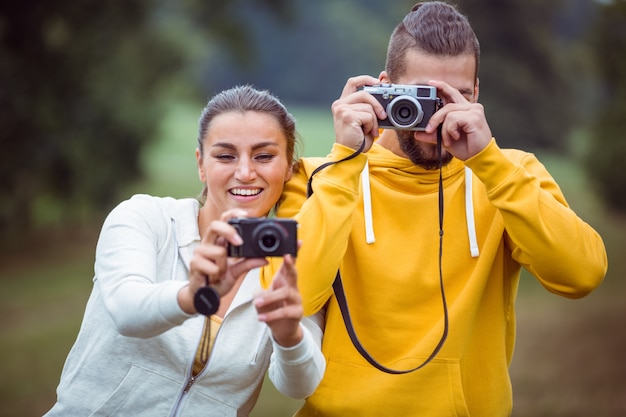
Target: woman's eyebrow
[[264, 145], [226, 145], [255, 146]]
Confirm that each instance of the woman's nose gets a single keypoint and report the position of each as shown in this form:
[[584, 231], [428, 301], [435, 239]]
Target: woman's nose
[[245, 171]]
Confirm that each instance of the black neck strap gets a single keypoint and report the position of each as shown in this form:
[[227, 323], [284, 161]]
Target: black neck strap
[[341, 296]]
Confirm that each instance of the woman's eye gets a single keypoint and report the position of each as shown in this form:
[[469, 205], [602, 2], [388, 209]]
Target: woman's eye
[[224, 157], [265, 157]]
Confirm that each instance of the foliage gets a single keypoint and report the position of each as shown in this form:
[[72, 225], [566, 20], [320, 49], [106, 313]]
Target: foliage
[[520, 74], [524, 67], [307, 62], [607, 152], [81, 86], [84, 83]]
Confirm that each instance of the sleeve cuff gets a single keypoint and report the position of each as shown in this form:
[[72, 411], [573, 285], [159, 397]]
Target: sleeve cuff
[[491, 166], [168, 303], [297, 353]]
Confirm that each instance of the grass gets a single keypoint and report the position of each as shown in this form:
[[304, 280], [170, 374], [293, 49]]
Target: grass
[[568, 357], [43, 291]]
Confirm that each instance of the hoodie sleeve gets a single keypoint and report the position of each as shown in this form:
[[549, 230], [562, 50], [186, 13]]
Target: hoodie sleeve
[[544, 234], [324, 222], [127, 269], [297, 371]]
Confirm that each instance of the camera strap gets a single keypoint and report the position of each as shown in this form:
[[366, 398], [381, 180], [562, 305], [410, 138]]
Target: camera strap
[[341, 296], [309, 184]]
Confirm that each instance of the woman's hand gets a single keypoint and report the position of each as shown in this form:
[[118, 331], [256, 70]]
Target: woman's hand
[[210, 265], [280, 307]]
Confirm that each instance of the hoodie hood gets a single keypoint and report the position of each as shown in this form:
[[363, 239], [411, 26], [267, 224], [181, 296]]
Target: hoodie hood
[[403, 171]]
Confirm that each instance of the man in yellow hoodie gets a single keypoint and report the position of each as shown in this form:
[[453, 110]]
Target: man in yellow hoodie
[[429, 283]]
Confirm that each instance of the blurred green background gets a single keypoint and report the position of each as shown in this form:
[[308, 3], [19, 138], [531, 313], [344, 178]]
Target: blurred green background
[[101, 99]]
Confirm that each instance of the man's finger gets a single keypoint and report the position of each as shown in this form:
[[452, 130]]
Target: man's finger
[[451, 94], [354, 83]]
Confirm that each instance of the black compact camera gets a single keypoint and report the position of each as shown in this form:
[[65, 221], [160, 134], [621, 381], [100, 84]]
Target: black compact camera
[[264, 237], [408, 107]]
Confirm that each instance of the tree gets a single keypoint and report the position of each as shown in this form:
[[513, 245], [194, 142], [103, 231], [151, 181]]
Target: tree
[[606, 155], [526, 94], [524, 69], [80, 87]]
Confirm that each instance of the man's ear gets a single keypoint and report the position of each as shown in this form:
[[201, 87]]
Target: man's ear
[[384, 78], [476, 89]]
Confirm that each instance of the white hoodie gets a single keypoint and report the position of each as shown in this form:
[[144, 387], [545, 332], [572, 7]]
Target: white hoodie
[[135, 349]]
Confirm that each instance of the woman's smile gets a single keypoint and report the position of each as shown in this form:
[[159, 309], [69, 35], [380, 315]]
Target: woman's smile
[[245, 192]]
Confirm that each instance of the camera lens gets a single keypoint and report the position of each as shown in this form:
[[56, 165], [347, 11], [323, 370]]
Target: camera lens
[[268, 242], [404, 112], [267, 238]]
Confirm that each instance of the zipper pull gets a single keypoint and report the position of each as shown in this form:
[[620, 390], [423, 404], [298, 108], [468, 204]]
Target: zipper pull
[[190, 382]]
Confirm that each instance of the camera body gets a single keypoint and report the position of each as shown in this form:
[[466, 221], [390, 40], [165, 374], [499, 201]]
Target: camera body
[[408, 107], [264, 237]]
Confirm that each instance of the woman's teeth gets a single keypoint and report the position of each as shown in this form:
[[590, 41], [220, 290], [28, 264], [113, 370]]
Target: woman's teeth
[[245, 192]]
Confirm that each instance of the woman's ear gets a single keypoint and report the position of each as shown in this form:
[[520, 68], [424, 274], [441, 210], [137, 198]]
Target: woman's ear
[[289, 172], [201, 173]]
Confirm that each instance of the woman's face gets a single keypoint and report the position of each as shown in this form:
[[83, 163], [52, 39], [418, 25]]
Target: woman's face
[[244, 164]]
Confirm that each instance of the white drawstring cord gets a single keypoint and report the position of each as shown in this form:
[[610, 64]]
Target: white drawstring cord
[[469, 214], [367, 205], [469, 210]]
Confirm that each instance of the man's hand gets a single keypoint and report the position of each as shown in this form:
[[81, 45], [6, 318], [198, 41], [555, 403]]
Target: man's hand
[[356, 114], [465, 131]]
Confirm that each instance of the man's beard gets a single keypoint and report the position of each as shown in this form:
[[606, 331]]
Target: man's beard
[[421, 154]]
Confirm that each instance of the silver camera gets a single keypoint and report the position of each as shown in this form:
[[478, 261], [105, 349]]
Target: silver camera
[[408, 107]]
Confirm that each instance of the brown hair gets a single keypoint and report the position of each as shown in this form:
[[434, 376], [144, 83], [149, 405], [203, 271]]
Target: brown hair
[[436, 28]]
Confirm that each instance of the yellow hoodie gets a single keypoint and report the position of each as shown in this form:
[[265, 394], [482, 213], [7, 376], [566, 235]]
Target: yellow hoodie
[[511, 214]]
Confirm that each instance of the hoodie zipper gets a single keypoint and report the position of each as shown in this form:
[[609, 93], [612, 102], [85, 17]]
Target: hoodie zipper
[[182, 396], [191, 379]]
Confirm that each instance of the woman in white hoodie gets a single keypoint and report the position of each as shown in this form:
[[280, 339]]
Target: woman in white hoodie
[[143, 348]]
